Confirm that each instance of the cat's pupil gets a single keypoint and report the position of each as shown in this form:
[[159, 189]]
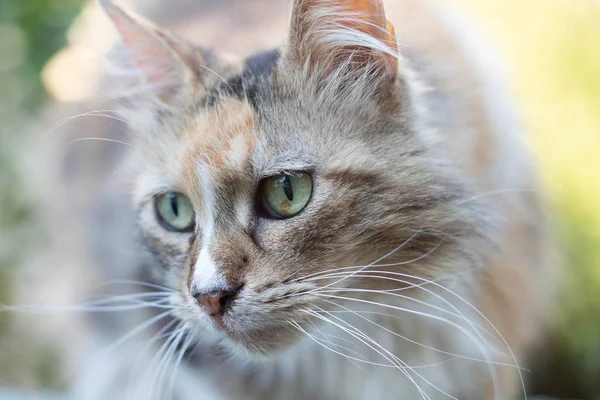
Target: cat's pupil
[[287, 188], [174, 205]]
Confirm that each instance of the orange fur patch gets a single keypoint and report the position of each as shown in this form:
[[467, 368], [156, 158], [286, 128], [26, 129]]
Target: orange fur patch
[[223, 139]]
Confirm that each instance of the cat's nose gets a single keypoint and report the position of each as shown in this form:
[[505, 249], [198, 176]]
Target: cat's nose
[[215, 303]]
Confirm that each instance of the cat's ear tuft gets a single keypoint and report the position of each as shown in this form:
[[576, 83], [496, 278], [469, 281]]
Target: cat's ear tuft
[[162, 59], [327, 34]]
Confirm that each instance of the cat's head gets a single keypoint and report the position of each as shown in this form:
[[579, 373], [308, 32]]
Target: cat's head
[[270, 189]]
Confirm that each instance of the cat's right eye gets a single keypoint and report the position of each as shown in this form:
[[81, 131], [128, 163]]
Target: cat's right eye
[[175, 212]]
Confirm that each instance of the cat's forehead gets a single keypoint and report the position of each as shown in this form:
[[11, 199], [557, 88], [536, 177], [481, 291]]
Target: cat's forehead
[[230, 132], [247, 79], [218, 141], [225, 131]]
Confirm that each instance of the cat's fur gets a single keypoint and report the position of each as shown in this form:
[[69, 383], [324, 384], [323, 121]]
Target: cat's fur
[[420, 182]]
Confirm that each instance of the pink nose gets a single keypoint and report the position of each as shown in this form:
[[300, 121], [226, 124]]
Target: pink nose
[[215, 303]]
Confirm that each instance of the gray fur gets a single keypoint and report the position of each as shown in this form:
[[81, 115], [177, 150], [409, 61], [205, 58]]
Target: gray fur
[[385, 192]]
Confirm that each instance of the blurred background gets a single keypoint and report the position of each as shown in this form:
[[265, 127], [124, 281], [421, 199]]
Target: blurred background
[[552, 50]]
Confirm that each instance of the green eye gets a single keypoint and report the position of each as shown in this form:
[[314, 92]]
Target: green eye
[[175, 212], [285, 195]]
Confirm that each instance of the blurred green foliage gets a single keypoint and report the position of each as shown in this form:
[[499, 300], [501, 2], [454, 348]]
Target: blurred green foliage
[[31, 31], [34, 30], [578, 319]]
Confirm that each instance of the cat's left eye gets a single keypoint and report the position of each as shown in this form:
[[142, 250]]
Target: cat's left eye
[[175, 212], [285, 195]]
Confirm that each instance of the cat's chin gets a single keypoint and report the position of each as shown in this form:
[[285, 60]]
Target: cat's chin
[[259, 345], [239, 339]]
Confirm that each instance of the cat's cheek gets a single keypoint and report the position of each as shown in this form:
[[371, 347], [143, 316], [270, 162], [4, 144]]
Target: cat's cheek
[[265, 232], [259, 228]]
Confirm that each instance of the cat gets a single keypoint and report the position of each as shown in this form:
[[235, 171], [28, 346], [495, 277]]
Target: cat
[[348, 216]]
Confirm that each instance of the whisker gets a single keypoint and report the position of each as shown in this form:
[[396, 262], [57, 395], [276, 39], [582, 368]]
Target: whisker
[[326, 335], [99, 113], [461, 202], [486, 319], [160, 358], [376, 261], [125, 297], [118, 99], [137, 330], [350, 358], [37, 309], [138, 283], [357, 313], [162, 333], [217, 75], [387, 293], [358, 354], [475, 341], [415, 312], [393, 355], [168, 361], [100, 140], [391, 292], [420, 286], [184, 348], [317, 275], [326, 339], [516, 364], [355, 333], [403, 363]]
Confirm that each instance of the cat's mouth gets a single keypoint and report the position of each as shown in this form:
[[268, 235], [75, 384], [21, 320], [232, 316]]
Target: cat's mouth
[[251, 331], [257, 323]]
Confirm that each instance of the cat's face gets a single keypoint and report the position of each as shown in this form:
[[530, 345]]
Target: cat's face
[[266, 190]]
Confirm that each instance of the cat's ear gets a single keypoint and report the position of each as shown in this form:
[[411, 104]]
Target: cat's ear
[[166, 64], [326, 34]]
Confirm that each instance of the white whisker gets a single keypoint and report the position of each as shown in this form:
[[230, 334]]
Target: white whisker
[[399, 360], [316, 276], [376, 261], [137, 283], [63, 121], [321, 342], [135, 331], [475, 341], [118, 99], [37, 309], [327, 339], [391, 292], [162, 333], [217, 75], [131, 297], [168, 362], [352, 331], [158, 360], [359, 314], [436, 284], [99, 139], [184, 348]]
